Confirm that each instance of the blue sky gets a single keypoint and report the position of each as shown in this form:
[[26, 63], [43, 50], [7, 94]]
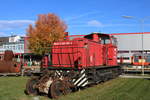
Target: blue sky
[[81, 16]]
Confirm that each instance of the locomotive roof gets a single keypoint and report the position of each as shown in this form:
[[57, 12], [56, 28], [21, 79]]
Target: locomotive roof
[[99, 34]]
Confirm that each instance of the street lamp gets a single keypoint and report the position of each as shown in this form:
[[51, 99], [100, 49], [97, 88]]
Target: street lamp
[[141, 21]]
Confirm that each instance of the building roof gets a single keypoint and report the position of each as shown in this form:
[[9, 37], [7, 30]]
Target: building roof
[[130, 33], [3, 40]]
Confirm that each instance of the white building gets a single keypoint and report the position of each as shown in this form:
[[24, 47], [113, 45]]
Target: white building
[[131, 43], [14, 43]]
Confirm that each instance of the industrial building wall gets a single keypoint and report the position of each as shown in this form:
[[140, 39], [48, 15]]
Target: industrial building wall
[[146, 41], [130, 43]]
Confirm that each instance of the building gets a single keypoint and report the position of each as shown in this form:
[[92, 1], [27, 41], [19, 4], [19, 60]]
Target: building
[[4, 39], [131, 43], [14, 43], [19, 47]]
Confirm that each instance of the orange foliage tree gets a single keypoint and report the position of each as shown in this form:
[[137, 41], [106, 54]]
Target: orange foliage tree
[[47, 29]]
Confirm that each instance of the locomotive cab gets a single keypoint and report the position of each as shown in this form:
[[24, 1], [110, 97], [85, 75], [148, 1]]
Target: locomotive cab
[[109, 47]]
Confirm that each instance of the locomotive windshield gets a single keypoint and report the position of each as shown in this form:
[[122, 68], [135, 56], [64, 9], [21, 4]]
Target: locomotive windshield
[[105, 40]]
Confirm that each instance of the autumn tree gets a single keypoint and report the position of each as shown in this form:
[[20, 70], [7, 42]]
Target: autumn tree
[[47, 29]]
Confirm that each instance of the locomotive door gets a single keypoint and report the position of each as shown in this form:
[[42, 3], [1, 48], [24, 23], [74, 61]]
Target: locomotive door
[[111, 55]]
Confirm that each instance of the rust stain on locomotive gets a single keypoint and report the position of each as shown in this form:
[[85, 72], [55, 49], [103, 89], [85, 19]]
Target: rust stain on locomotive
[[7, 65]]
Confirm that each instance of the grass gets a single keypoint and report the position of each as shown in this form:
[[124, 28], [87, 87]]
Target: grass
[[12, 88]]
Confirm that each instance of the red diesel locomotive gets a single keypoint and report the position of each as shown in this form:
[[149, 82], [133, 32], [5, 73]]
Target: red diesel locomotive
[[74, 63]]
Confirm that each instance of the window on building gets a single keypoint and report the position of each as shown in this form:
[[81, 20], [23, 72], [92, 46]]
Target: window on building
[[21, 47], [13, 47], [4, 46], [18, 47], [10, 47]]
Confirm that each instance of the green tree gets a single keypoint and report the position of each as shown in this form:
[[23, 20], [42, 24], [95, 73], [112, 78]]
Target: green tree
[[47, 29]]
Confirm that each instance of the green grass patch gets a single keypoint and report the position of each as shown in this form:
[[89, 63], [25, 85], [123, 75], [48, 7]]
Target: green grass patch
[[12, 88]]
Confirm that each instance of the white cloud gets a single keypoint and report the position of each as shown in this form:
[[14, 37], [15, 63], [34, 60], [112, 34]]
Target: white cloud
[[14, 24], [87, 14], [118, 24], [94, 23]]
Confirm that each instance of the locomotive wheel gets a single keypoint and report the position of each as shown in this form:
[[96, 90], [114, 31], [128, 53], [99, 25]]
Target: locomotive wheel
[[30, 86], [58, 88]]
